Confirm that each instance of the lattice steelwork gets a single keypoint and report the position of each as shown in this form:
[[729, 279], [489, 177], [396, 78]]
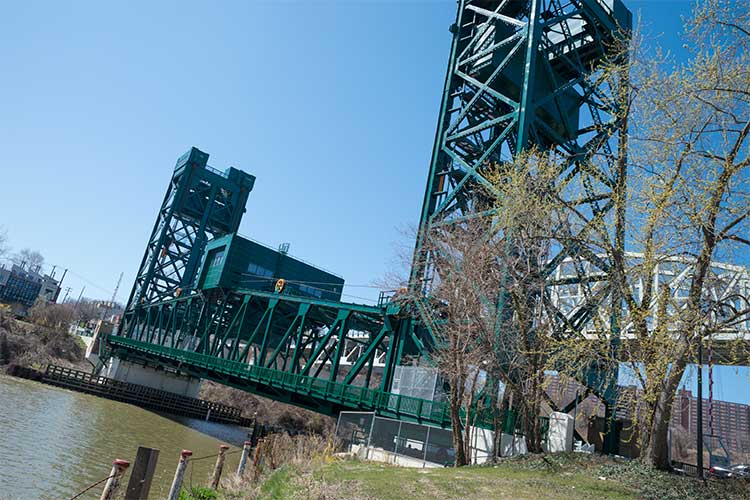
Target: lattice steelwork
[[528, 74], [286, 347], [521, 74], [201, 203], [728, 291]]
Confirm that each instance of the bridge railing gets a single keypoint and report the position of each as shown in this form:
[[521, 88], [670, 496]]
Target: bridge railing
[[381, 402]]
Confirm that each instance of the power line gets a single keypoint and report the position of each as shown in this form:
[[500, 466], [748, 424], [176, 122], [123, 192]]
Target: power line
[[88, 281]]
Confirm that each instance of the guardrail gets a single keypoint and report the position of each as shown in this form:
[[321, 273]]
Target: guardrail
[[350, 396], [140, 395]]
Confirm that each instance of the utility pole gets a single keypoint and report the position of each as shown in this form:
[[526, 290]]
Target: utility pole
[[80, 296], [59, 287], [111, 304], [699, 413], [67, 292]]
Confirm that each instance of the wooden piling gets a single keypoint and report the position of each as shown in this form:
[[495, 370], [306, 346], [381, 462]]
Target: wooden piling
[[179, 475], [219, 466], [257, 460], [110, 488], [243, 458], [142, 474]]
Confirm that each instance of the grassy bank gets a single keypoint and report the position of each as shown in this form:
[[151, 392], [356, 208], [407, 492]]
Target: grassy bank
[[571, 476]]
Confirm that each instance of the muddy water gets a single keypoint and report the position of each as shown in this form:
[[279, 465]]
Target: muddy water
[[55, 442]]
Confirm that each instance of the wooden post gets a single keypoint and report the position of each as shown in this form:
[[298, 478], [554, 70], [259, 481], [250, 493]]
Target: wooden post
[[179, 475], [142, 474], [110, 488], [219, 466], [258, 459], [243, 458]]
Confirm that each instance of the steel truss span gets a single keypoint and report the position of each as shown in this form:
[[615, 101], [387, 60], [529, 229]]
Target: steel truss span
[[520, 74], [728, 293], [284, 347]]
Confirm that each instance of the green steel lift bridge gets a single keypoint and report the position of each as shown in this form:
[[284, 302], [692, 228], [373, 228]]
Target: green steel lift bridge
[[520, 74]]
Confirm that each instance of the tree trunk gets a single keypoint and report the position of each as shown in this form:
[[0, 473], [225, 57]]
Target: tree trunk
[[497, 416], [657, 451], [456, 427]]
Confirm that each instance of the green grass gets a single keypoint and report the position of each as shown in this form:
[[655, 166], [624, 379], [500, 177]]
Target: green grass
[[574, 476], [371, 480], [279, 485]]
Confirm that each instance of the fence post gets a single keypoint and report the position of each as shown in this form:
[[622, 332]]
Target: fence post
[[179, 475], [142, 474], [219, 466], [243, 458], [258, 459], [426, 444], [110, 488], [398, 437]]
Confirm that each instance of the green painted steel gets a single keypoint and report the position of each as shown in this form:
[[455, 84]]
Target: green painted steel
[[520, 74], [293, 333], [235, 262], [201, 203], [342, 396]]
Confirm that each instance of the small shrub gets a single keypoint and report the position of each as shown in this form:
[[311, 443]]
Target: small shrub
[[199, 493]]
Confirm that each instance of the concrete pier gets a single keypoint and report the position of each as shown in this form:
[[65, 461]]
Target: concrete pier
[[155, 376], [151, 376]]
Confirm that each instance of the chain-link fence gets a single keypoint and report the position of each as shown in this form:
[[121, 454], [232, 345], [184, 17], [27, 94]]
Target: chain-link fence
[[417, 382], [423, 443], [419, 442]]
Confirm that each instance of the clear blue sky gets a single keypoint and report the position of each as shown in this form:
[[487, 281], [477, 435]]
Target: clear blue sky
[[331, 105]]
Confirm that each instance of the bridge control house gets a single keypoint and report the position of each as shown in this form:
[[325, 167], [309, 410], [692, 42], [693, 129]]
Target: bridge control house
[[234, 262]]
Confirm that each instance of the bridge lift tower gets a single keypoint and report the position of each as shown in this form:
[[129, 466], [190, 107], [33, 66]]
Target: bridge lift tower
[[201, 203], [525, 74], [521, 74]]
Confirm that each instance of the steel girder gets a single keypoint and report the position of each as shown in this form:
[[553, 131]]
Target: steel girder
[[517, 72], [525, 74], [281, 332], [200, 203]]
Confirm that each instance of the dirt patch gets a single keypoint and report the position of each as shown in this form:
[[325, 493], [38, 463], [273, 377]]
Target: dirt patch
[[269, 412]]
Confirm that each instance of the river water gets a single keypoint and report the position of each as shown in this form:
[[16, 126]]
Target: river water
[[55, 442]]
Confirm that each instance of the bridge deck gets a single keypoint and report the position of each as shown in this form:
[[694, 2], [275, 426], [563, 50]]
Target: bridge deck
[[319, 394]]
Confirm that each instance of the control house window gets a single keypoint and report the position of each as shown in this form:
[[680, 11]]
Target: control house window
[[259, 270]]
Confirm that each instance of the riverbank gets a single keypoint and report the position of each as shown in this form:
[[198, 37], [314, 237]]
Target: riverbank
[[56, 442], [28, 344], [33, 345], [267, 411], [562, 476]]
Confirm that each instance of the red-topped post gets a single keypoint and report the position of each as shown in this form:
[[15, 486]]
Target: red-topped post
[[179, 475], [219, 466], [113, 482]]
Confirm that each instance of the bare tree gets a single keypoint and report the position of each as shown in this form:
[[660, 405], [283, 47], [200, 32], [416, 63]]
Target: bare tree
[[3, 243], [686, 204], [681, 203], [55, 316], [487, 306], [32, 259]]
